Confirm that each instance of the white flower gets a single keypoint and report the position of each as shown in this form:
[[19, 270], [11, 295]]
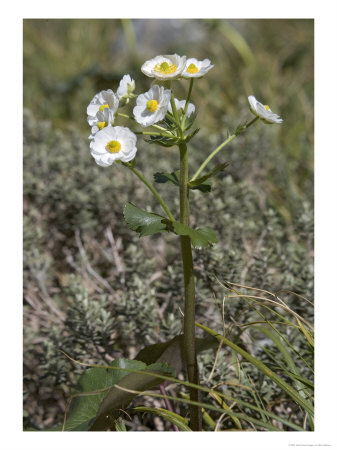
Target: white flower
[[196, 69], [126, 87], [180, 104], [102, 100], [263, 111], [101, 120], [164, 67], [113, 144], [152, 106]]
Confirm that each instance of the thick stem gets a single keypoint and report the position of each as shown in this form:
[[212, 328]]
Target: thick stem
[[189, 283]]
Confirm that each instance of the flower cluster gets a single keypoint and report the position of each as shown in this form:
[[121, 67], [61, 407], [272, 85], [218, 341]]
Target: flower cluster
[[171, 67], [111, 143]]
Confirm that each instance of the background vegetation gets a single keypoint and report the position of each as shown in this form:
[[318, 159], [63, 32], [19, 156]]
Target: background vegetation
[[91, 287]]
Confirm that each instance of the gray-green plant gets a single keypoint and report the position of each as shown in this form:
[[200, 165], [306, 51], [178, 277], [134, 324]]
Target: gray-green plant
[[226, 261], [242, 224], [113, 143]]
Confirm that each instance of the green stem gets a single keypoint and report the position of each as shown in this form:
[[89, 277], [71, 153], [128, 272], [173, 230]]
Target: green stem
[[151, 133], [158, 127], [126, 116], [152, 189], [189, 288], [175, 115], [187, 102], [221, 146], [174, 108]]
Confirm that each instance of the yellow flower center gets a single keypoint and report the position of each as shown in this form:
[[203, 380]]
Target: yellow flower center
[[165, 68], [192, 68], [267, 107], [101, 125], [102, 107], [152, 105], [113, 146]]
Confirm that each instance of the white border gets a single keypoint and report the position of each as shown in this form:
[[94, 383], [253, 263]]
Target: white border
[[324, 13]]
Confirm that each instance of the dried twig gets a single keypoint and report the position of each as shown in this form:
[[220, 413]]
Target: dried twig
[[88, 266], [117, 259]]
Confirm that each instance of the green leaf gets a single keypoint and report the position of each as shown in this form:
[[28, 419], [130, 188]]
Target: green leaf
[[145, 223], [201, 180], [224, 405], [190, 120], [171, 352], [307, 334], [169, 122], [203, 187], [93, 386], [201, 237], [240, 128], [172, 417], [97, 403], [191, 135], [264, 369], [304, 381], [118, 398], [284, 351], [173, 178], [164, 141], [120, 426], [166, 177]]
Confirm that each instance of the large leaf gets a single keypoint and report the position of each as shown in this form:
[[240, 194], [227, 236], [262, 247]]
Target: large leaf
[[97, 402], [171, 352], [119, 396], [85, 404], [145, 223], [201, 237]]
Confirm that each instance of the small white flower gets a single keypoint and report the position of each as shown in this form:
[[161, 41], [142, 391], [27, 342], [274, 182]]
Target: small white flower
[[102, 100], [101, 120], [164, 67], [152, 106], [126, 87], [263, 111], [113, 144], [180, 104], [196, 69]]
